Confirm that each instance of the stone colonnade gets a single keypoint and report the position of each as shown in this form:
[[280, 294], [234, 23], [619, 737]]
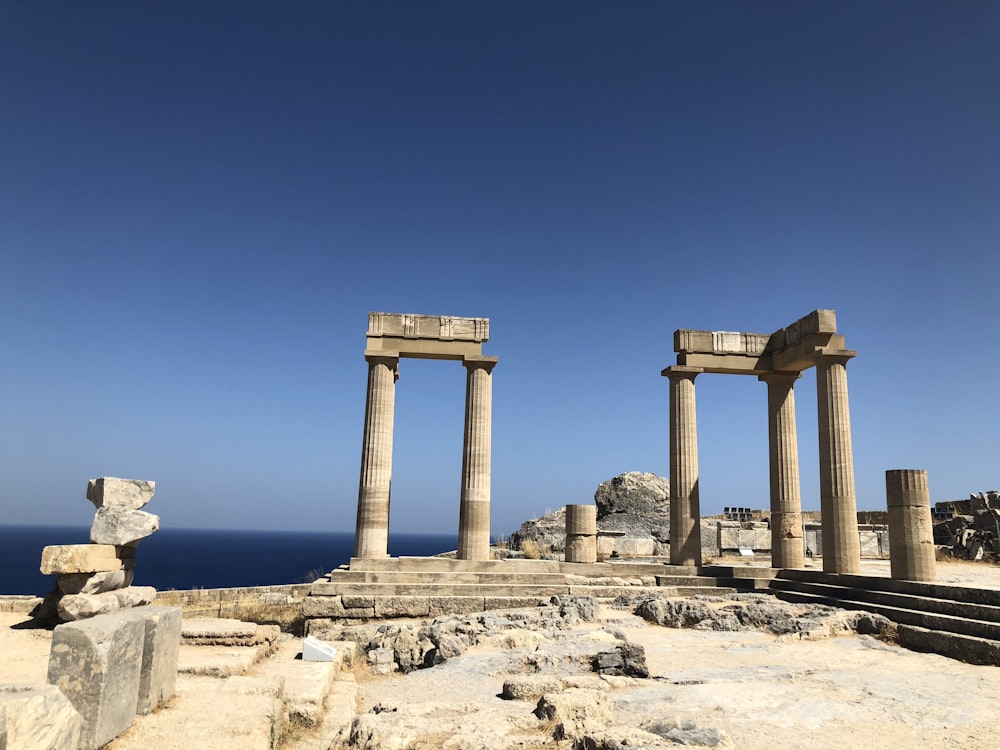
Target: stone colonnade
[[778, 360], [391, 336]]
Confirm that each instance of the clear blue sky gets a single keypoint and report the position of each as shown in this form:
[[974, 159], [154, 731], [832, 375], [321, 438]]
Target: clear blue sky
[[200, 203]]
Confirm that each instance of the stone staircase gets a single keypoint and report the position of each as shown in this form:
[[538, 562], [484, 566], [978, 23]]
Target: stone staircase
[[429, 586], [956, 621], [250, 697]]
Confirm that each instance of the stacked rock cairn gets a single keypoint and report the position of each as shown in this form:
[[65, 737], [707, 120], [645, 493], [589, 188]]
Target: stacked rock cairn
[[96, 578]]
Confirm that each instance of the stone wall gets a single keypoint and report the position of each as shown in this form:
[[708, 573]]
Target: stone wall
[[280, 605]]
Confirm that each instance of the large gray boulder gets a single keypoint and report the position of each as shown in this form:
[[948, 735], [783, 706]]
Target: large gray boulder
[[637, 503], [97, 664]]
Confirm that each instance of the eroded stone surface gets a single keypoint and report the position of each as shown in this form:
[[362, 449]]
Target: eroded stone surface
[[79, 558], [111, 491], [81, 606], [121, 525], [37, 717], [97, 664], [161, 643]]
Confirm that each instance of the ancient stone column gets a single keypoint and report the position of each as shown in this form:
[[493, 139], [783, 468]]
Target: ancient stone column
[[911, 534], [371, 536], [685, 513], [838, 503], [581, 533], [474, 511], [786, 500]]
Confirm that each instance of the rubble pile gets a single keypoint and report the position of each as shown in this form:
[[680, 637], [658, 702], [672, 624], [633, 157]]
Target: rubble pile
[[974, 531], [96, 578]]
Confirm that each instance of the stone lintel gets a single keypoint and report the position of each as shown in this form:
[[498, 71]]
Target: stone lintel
[[422, 348], [791, 349]]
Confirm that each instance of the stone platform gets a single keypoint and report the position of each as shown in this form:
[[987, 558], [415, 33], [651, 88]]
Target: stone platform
[[392, 587]]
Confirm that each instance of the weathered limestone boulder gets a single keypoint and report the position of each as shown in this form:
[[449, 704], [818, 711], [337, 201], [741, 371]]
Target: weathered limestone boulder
[[637, 503], [106, 492], [120, 525], [79, 558], [97, 664], [626, 660], [37, 717], [80, 606], [574, 711], [94, 583]]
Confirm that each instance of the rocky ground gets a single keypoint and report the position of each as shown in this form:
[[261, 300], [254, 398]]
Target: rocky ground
[[745, 672]]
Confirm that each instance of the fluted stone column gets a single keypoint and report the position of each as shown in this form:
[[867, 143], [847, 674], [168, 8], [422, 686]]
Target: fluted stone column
[[786, 498], [371, 536], [685, 513], [581, 533], [474, 511], [911, 533], [838, 502]]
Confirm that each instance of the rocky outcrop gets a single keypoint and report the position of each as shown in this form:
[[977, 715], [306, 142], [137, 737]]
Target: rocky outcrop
[[759, 612], [633, 510], [547, 532]]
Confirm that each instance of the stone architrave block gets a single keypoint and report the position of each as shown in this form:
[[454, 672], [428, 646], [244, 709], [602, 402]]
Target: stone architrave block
[[161, 646], [97, 663], [37, 717], [106, 492], [120, 525], [79, 558], [81, 606], [93, 583]]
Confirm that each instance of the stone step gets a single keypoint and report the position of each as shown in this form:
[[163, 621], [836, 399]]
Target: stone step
[[413, 577], [612, 592], [219, 661], [618, 569], [966, 594], [446, 564], [965, 648], [438, 589], [929, 604], [239, 713], [341, 708], [307, 683], [903, 616]]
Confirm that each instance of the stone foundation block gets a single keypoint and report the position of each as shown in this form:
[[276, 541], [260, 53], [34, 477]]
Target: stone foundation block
[[37, 717], [120, 525], [402, 606], [81, 606], [105, 492], [454, 605], [97, 664], [161, 645], [333, 606], [79, 558]]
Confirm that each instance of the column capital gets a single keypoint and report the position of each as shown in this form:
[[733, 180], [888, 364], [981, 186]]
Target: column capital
[[828, 356], [681, 371], [480, 362], [390, 359], [779, 376]]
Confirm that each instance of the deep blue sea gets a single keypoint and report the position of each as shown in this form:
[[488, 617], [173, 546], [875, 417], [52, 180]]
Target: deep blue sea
[[188, 559]]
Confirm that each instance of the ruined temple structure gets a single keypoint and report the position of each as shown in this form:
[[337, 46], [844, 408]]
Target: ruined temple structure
[[778, 359], [392, 336]]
